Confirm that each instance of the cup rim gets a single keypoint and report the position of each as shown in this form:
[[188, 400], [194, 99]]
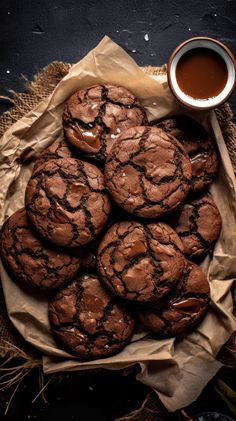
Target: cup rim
[[178, 48]]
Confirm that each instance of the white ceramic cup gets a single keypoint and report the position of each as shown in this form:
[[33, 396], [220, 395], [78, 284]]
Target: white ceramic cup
[[226, 55]]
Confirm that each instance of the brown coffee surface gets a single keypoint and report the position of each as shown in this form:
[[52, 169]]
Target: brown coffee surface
[[94, 117], [183, 309], [201, 73], [29, 259], [140, 262], [147, 172], [66, 201], [88, 321]]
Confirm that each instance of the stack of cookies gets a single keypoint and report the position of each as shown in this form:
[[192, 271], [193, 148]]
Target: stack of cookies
[[116, 213]]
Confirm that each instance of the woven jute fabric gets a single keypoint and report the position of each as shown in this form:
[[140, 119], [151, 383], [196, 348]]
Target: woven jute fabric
[[151, 410], [38, 89]]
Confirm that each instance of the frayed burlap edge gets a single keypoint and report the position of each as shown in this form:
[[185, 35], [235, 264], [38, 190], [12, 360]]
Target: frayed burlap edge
[[38, 89], [12, 345]]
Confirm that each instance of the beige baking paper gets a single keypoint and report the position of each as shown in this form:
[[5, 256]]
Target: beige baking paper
[[177, 370]]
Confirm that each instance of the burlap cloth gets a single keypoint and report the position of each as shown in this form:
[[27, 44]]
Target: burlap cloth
[[11, 343]]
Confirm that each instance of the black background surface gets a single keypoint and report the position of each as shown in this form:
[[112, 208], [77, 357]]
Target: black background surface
[[34, 33]]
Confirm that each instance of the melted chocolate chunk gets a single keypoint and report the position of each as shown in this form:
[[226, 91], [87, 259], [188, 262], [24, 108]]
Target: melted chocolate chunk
[[31, 260], [198, 224], [188, 306], [199, 146], [182, 310], [147, 172], [66, 201], [88, 321], [94, 117], [140, 262]]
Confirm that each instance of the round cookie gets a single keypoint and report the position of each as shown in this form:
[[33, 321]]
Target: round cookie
[[198, 224], [87, 320], [183, 309], [94, 117], [140, 262], [199, 146], [58, 149], [31, 260], [147, 172], [66, 201]]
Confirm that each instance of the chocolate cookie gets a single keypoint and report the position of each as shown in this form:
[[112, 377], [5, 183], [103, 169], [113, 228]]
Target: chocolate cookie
[[199, 146], [198, 224], [32, 260], [88, 321], [66, 201], [140, 262], [183, 309], [58, 149], [147, 172], [88, 256], [94, 117]]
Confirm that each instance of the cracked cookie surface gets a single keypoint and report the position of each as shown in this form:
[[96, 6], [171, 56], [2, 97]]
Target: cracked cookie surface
[[94, 117], [147, 172], [198, 224], [30, 259], [58, 149], [140, 262], [66, 201], [88, 321], [199, 146], [183, 309]]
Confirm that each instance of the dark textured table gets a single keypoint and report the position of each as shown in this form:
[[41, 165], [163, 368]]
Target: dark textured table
[[34, 33]]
